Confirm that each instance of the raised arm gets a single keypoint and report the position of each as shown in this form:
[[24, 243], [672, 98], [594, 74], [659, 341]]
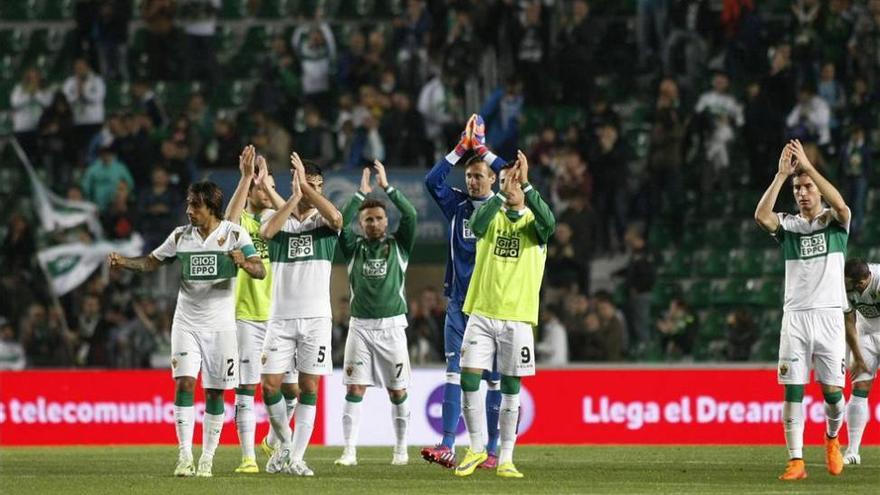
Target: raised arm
[[482, 217], [406, 231], [764, 214], [262, 170], [826, 189], [239, 197], [274, 223], [348, 238], [326, 209], [545, 222], [139, 264]]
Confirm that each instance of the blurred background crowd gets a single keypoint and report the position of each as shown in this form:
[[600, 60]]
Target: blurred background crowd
[[652, 127]]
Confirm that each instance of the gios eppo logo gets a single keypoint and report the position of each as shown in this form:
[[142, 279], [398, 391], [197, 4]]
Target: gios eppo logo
[[434, 411], [203, 265], [813, 245]]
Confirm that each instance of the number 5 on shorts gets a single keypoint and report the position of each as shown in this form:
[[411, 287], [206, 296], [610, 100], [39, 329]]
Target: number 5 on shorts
[[321, 353]]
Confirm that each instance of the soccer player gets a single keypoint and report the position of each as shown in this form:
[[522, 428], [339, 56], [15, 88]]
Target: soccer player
[[862, 282], [376, 353], [457, 207], [254, 196], [302, 237], [512, 229], [813, 243], [210, 251]]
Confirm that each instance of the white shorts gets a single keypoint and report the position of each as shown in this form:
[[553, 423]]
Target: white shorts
[[869, 343], [214, 353], [251, 335], [376, 357], [812, 339], [305, 341], [514, 341]]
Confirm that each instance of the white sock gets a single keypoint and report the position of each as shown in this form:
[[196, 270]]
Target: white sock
[[793, 424], [857, 413], [305, 423], [400, 421], [185, 421], [278, 421], [834, 416], [507, 422], [290, 404], [351, 421], [474, 409], [245, 423], [211, 429]]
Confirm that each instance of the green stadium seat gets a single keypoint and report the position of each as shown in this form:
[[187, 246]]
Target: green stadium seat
[[710, 263], [6, 89], [750, 234], [118, 96], [18, 10], [8, 71], [237, 9], [12, 41], [354, 9], [5, 122], [769, 294], [661, 294], [274, 9], [675, 263], [697, 293], [389, 8], [744, 263], [230, 94], [873, 255], [57, 10], [726, 292], [772, 262]]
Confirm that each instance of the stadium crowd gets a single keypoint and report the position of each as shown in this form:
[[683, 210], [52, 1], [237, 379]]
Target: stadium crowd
[[714, 86]]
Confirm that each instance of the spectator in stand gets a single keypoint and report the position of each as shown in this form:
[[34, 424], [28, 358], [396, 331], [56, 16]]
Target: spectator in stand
[[57, 141], [412, 30], [742, 333], [601, 113], [863, 47], [118, 220], [12, 355], [135, 148], [609, 338], [18, 245], [578, 38], [147, 101], [162, 41], [690, 27], [836, 33], [564, 267], [91, 334], [651, 31], [666, 150], [279, 86], [28, 99], [441, 108], [158, 208], [856, 166], [111, 36], [352, 66], [832, 91], [85, 91], [552, 349], [43, 338], [581, 217], [315, 142], [135, 343], [863, 106], [810, 119], [638, 276], [376, 58], [532, 52], [273, 141], [224, 147], [315, 47], [200, 116], [609, 165], [762, 133], [502, 113], [178, 149], [199, 26], [403, 129], [576, 307], [718, 112], [678, 328], [101, 180]]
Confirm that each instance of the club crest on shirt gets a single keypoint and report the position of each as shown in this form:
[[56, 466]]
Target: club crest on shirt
[[221, 240], [349, 370], [783, 369], [174, 362]]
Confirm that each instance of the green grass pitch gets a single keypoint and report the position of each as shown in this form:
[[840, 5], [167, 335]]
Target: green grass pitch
[[550, 470]]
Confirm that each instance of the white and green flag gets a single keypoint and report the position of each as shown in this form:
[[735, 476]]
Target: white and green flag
[[69, 265]]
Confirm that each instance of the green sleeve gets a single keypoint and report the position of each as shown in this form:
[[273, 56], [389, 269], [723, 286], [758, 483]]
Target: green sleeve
[[406, 231], [545, 222], [482, 217], [348, 237]]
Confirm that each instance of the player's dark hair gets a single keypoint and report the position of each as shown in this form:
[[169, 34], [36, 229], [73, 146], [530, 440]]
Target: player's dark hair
[[856, 269], [603, 296], [476, 159], [312, 168], [208, 194], [371, 203]]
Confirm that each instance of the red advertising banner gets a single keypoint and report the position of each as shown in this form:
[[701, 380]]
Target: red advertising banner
[[575, 406], [105, 407], [667, 406]]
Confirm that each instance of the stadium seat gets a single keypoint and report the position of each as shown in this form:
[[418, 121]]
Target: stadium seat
[[388, 8], [661, 294], [697, 293], [727, 292], [676, 263], [57, 10], [354, 9], [769, 294], [772, 262], [274, 9], [6, 89], [750, 234], [710, 263], [231, 94], [12, 41], [236, 9], [744, 263], [7, 74], [18, 10], [118, 96]]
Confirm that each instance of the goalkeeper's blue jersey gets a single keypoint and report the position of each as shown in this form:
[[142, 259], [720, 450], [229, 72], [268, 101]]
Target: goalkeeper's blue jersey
[[457, 207]]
